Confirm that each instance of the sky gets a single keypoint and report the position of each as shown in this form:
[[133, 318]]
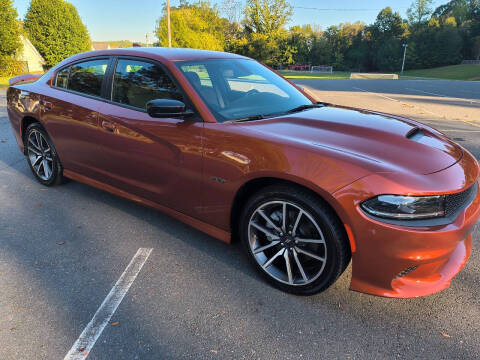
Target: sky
[[132, 20]]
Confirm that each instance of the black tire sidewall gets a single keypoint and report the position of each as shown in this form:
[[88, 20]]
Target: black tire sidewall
[[322, 215], [56, 166]]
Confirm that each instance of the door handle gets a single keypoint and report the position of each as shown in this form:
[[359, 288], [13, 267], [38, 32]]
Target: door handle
[[109, 126]]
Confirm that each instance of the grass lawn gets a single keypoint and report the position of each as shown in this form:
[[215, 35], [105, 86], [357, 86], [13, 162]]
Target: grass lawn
[[3, 82], [453, 72], [315, 75]]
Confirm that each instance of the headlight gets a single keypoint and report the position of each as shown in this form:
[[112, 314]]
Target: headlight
[[405, 207]]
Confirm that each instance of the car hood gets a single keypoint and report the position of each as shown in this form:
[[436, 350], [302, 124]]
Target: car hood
[[393, 144]]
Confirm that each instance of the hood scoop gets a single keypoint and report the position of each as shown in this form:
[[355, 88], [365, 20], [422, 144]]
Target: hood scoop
[[416, 134]]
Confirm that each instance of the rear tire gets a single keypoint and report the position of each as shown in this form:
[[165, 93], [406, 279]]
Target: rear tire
[[42, 156], [303, 255]]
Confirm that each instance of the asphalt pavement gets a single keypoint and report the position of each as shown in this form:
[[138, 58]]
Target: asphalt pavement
[[62, 250]]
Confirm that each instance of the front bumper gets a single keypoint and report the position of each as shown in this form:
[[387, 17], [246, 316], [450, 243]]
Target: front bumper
[[405, 261]]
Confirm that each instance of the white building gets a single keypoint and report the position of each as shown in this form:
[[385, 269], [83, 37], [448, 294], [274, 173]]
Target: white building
[[30, 55]]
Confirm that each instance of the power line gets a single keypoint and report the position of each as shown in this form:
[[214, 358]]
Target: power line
[[330, 9]]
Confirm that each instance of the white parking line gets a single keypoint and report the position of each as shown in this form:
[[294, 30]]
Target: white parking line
[[91, 333], [426, 92], [374, 93], [401, 102]]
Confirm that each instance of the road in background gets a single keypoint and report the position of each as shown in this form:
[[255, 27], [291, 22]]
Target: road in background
[[63, 248], [452, 107]]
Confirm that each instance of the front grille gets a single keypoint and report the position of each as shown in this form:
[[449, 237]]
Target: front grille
[[454, 202]]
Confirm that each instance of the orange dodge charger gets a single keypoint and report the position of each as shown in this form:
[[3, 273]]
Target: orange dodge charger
[[228, 146]]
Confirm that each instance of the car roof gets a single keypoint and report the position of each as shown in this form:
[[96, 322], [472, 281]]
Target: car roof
[[169, 54]]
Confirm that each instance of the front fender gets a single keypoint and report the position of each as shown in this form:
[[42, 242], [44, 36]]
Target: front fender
[[409, 261]]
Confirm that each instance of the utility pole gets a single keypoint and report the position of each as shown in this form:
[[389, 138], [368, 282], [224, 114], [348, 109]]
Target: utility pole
[[404, 53], [168, 25]]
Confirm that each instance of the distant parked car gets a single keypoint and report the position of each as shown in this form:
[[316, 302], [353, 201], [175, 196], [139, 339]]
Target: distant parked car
[[226, 145]]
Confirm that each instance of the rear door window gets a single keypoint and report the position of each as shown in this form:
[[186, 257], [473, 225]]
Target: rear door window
[[86, 77], [137, 82]]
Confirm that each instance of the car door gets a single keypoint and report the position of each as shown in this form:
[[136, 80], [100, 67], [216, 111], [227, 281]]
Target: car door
[[69, 112], [159, 159]]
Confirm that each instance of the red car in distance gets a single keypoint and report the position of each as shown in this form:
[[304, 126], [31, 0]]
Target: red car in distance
[[228, 146]]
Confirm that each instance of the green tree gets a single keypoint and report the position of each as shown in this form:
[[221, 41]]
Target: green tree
[[266, 38], [231, 10], [358, 54], [386, 36], [269, 50], [450, 34], [340, 39], [267, 17], [389, 24], [319, 54], [419, 11], [196, 25], [467, 19], [435, 44], [301, 39], [461, 10], [388, 56], [9, 29], [56, 30], [448, 43]]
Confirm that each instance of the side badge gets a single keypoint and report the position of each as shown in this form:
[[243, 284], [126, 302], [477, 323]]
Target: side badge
[[218, 179]]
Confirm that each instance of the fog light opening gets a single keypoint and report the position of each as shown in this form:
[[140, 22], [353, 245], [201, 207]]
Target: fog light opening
[[405, 272]]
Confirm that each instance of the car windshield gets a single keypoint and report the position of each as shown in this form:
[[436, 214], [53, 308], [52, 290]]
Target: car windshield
[[241, 89]]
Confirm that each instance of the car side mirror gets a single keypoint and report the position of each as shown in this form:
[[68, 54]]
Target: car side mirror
[[167, 108]]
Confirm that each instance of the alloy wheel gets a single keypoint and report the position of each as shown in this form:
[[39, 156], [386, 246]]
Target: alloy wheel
[[287, 242], [40, 155]]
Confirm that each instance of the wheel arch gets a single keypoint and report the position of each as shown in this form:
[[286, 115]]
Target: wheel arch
[[254, 185], [25, 123]]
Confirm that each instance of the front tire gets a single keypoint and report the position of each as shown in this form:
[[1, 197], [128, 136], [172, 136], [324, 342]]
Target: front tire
[[42, 156], [294, 239]]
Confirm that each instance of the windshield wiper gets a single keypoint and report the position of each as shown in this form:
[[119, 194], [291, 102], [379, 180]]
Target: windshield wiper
[[297, 109], [304, 107], [250, 118]]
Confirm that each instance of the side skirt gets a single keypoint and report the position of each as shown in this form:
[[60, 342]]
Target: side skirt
[[197, 224]]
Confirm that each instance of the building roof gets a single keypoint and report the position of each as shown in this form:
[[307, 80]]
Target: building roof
[[27, 44], [100, 45]]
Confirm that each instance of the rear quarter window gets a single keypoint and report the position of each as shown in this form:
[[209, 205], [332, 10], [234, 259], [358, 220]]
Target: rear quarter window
[[62, 78], [85, 77]]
